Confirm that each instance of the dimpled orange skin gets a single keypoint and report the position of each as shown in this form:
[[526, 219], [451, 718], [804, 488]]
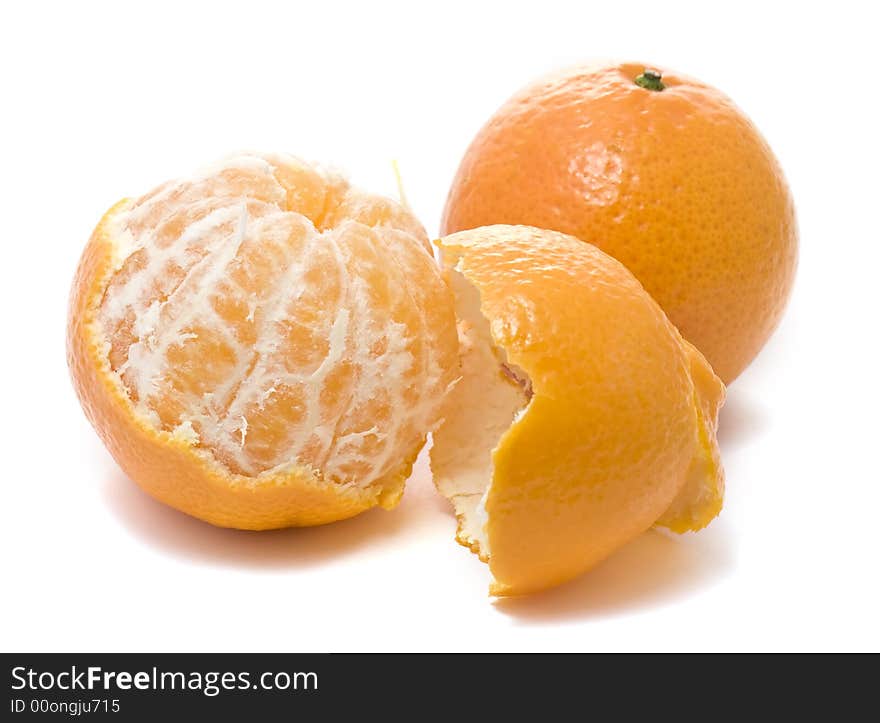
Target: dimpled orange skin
[[620, 433], [678, 185]]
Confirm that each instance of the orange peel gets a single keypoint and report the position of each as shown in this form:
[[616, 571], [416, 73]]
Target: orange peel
[[582, 417]]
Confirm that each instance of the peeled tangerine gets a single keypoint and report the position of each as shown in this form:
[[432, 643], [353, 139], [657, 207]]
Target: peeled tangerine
[[261, 345], [582, 417]]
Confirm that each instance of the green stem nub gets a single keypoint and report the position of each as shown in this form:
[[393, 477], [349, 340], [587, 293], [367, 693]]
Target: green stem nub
[[650, 80]]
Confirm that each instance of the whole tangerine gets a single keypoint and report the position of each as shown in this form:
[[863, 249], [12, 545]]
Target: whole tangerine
[[659, 170]]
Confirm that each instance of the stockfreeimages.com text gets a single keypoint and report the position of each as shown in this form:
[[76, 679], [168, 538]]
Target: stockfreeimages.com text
[[209, 683]]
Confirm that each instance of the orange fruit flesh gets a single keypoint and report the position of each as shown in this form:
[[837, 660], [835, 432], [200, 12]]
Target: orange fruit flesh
[[272, 318], [582, 417]]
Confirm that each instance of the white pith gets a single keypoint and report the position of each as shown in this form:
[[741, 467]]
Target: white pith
[[351, 327], [490, 396]]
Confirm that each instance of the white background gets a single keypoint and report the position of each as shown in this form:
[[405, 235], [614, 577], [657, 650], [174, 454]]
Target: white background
[[102, 101]]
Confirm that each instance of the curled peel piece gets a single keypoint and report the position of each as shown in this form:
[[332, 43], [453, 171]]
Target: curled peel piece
[[702, 495], [581, 419]]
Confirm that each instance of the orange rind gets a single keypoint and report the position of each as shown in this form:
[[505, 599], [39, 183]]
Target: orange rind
[[582, 417]]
